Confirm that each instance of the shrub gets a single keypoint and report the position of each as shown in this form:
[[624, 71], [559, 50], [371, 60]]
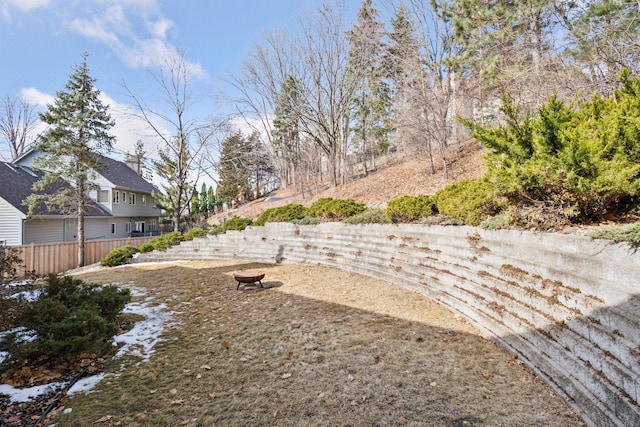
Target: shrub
[[576, 162], [70, 318], [236, 223], [307, 220], [624, 233], [470, 201], [146, 247], [410, 208], [369, 216], [162, 243], [195, 232], [330, 209], [285, 213], [119, 256]]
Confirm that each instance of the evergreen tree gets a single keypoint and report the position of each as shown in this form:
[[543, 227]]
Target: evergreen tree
[[286, 131], [370, 111], [78, 131], [203, 204], [212, 200], [402, 65], [259, 165], [234, 171], [195, 206]]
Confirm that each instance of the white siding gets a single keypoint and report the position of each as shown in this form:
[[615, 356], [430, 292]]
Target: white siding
[[10, 224]]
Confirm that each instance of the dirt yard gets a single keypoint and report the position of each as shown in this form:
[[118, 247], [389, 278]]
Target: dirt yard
[[316, 347]]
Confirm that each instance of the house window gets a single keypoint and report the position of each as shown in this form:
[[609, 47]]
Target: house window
[[113, 228], [153, 225], [124, 197], [103, 196], [116, 197], [127, 227], [144, 200], [140, 227], [132, 198]]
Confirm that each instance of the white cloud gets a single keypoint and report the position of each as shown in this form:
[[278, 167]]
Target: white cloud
[[130, 128], [21, 5], [35, 97], [160, 27], [24, 6], [126, 28]]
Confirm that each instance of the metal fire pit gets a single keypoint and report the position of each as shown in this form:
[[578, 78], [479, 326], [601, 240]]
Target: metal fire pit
[[248, 276]]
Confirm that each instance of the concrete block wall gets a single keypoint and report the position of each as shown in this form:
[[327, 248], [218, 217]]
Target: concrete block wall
[[566, 305]]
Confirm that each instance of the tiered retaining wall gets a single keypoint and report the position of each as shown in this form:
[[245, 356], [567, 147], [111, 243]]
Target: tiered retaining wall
[[566, 305]]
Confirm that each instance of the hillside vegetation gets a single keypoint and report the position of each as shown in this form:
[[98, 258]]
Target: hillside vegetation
[[568, 164]]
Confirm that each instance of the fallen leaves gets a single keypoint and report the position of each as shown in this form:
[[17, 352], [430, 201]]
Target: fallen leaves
[[104, 419]]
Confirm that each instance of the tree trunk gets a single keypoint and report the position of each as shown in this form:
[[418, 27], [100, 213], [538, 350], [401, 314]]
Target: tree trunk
[[80, 213]]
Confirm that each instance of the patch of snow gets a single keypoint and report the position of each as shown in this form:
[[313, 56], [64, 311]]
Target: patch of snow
[[29, 296], [3, 356], [28, 393], [22, 334], [85, 385], [16, 283], [144, 335]]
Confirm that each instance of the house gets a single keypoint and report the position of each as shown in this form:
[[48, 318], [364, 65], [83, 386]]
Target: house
[[123, 206]]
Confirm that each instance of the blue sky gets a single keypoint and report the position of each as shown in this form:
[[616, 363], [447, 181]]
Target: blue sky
[[42, 40]]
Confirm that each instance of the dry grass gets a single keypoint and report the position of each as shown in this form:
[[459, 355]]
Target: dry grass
[[316, 347], [395, 177]]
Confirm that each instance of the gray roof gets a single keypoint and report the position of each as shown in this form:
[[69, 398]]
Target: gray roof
[[16, 184], [121, 175]]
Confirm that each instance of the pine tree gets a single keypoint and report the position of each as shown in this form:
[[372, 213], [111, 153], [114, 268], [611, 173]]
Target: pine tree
[[203, 204], [286, 131], [78, 131], [234, 172], [173, 170], [371, 105], [402, 63], [212, 200]]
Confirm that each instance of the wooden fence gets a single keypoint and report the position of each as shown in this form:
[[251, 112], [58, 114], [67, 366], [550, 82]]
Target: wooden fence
[[48, 258]]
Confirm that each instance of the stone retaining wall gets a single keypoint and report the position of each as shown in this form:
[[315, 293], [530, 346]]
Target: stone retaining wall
[[566, 305]]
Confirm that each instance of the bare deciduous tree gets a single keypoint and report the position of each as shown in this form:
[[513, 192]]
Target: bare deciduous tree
[[181, 137], [17, 123]]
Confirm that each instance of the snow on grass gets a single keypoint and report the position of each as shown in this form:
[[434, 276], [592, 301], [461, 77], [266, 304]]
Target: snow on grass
[[139, 341], [29, 296], [144, 335], [17, 395]]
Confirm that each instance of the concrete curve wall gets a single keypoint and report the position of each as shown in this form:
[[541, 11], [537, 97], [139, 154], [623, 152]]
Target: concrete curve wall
[[566, 305]]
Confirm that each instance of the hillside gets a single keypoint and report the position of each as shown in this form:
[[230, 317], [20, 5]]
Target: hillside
[[393, 178]]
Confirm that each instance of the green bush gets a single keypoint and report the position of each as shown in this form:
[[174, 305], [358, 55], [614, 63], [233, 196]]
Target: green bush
[[407, 209], [236, 223], [307, 220], [173, 239], [330, 209], [162, 243], [622, 233], [369, 216], [285, 213], [69, 319], [146, 247], [195, 232], [470, 201], [576, 162], [119, 256]]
